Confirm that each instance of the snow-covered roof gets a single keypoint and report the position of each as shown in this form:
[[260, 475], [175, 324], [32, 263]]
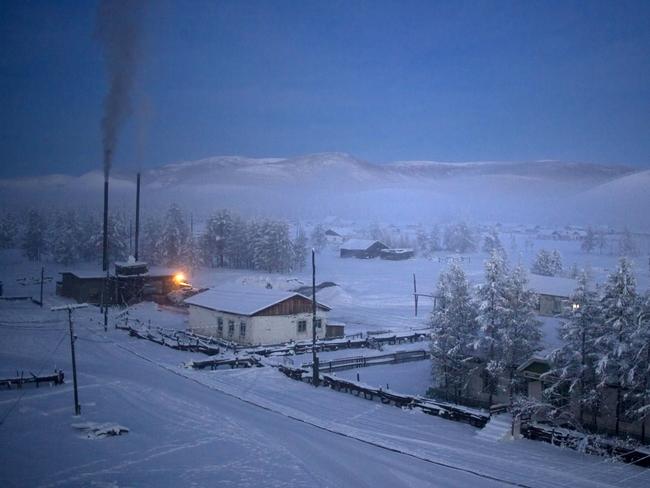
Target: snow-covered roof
[[551, 285], [359, 244], [242, 300]]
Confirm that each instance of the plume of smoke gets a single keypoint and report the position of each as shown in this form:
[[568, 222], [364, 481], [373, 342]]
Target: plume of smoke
[[119, 32]]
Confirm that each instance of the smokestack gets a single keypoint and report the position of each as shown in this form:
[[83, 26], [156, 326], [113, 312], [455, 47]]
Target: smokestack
[[105, 236], [137, 216]]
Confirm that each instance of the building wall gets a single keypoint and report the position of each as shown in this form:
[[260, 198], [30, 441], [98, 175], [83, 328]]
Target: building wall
[[549, 305], [259, 329]]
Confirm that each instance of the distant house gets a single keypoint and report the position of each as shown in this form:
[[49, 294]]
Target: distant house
[[362, 248], [333, 236], [535, 372], [396, 254], [553, 292], [249, 315]]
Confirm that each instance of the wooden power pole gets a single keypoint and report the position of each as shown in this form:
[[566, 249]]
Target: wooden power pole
[[315, 378]]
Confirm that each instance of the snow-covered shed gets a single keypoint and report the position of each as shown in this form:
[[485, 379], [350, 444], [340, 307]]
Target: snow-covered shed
[[250, 315], [553, 292], [362, 248]]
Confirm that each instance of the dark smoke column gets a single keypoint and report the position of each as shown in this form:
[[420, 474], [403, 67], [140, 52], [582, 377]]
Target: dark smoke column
[[119, 32]]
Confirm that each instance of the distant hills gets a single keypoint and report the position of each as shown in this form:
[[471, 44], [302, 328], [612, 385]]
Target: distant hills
[[316, 185]]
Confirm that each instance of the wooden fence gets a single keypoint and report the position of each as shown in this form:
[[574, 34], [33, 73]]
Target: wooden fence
[[20, 380], [363, 361]]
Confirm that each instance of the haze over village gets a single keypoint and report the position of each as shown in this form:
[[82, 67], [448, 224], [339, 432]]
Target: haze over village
[[325, 244]]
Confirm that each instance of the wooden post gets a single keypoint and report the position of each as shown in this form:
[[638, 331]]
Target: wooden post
[[42, 278]]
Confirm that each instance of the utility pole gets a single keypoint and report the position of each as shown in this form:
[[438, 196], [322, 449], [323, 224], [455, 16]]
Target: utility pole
[[106, 304], [315, 367], [70, 308]]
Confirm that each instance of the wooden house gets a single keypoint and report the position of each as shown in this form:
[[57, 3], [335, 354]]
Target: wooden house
[[553, 293], [249, 315], [396, 254], [362, 248]]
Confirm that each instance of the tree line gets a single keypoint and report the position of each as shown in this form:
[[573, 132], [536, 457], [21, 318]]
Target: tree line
[[605, 344]]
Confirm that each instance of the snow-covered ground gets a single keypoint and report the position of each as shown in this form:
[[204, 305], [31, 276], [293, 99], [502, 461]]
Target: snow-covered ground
[[254, 427]]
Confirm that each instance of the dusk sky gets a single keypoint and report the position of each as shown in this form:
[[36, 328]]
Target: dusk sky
[[384, 81]]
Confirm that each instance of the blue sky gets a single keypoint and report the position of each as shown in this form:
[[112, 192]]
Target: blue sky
[[382, 80]]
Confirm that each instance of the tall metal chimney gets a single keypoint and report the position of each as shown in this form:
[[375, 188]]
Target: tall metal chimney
[[137, 217], [105, 239]]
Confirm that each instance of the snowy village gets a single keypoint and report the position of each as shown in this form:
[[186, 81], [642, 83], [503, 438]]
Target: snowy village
[[368, 318]]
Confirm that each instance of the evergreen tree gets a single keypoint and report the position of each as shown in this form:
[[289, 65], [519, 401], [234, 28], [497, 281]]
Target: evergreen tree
[[619, 313], [589, 241], [33, 244], [65, 238], [574, 363], [520, 333], [175, 239], [8, 231], [547, 263], [639, 375], [89, 227], [492, 317], [627, 245], [318, 238], [151, 245], [491, 242], [459, 238], [300, 249], [454, 333], [213, 241]]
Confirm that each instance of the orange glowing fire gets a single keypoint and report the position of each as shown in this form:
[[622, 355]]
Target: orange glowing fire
[[179, 278]]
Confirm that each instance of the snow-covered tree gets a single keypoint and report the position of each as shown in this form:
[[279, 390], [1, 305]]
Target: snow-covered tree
[[627, 245], [459, 238], [318, 238], [638, 380], [213, 242], [33, 242], [589, 241], [491, 242], [619, 314], [150, 245], [8, 231], [454, 332], [520, 333], [300, 249], [547, 263], [175, 238], [493, 308], [65, 238]]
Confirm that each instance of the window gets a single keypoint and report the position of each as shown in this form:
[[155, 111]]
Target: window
[[220, 326], [319, 323], [242, 329], [231, 328], [302, 326]]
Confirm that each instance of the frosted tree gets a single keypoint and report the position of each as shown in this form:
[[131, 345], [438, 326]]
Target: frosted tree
[[547, 263], [423, 243], [491, 242], [8, 231], [300, 249], [33, 242], [521, 331], [573, 371], [435, 241], [65, 238], [638, 380], [150, 246], [318, 238], [175, 239], [619, 314], [459, 238], [588, 243], [493, 309], [454, 332], [627, 245], [89, 229], [213, 241]]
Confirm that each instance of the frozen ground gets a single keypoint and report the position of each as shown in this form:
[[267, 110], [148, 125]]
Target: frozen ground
[[250, 427]]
